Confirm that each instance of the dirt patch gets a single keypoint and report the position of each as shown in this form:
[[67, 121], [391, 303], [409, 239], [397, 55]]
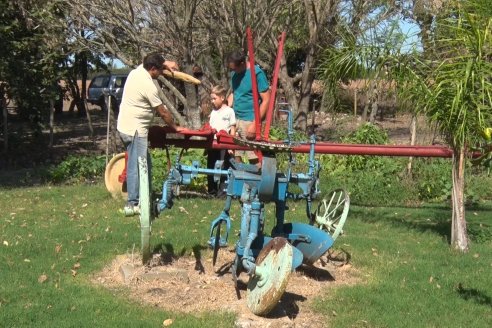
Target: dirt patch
[[193, 285]]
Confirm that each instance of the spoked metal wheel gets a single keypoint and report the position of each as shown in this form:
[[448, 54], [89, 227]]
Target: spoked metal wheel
[[145, 209], [112, 176], [331, 213]]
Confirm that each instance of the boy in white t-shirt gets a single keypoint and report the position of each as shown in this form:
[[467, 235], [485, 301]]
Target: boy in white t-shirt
[[222, 117]]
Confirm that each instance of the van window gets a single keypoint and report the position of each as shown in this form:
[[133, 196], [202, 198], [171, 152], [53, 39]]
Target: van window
[[119, 81], [100, 82]]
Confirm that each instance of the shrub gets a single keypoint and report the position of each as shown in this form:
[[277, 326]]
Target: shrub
[[366, 134], [382, 186], [433, 179], [279, 132], [77, 168], [160, 167]]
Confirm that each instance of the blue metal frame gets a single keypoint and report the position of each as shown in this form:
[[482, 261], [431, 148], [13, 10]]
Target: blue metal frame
[[254, 188]]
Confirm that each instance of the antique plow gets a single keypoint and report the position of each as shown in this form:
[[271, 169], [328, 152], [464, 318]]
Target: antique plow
[[268, 258]]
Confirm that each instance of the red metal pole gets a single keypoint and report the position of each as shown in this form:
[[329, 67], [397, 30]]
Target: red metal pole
[[376, 150], [159, 139], [347, 149], [271, 105], [254, 84]]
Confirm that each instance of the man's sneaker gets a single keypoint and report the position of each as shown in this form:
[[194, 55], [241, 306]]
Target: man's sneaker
[[130, 210]]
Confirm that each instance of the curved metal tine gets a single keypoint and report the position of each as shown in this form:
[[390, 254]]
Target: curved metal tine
[[216, 243], [234, 277]]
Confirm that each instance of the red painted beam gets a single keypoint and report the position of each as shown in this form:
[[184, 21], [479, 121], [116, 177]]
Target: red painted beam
[[161, 137], [254, 83], [271, 105], [376, 150], [348, 149]]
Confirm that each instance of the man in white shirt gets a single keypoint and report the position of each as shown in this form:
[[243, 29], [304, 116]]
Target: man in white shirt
[[140, 101]]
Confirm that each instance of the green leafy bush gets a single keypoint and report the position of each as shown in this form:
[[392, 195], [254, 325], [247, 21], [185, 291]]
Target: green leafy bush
[[366, 134], [381, 185], [433, 179], [160, 167], [77, 168], [279, 132], [479, 233]]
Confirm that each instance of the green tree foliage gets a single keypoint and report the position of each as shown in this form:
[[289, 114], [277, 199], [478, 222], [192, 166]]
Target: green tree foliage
[[29, 53], [453, 89], [449, 82]]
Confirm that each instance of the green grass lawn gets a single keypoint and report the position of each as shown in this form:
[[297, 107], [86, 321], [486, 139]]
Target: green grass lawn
[[412, 277], [409, 275]]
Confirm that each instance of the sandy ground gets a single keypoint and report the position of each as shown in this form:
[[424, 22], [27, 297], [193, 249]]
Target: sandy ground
[[193, 285]]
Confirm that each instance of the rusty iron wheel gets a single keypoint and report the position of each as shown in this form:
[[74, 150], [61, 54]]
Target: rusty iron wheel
[[111, 176], [273, 268]]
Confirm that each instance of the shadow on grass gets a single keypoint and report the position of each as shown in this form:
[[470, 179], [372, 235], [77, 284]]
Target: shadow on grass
[[472, 294], [483, 206], [436, 220], [21, 178]]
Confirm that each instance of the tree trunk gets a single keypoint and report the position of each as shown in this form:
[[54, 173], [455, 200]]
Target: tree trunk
[[111, 132], [305, 91], [72, 106], [374, 108], [355, 102], [5, 123], [83, 73], [374, 100], [107, 99], [459, 238], [89, 122], [193, 108], [413, 137], [167, 102], [52, 121], [116, 143], [366, 105], [317, 13], [82, 62], [288, 85]]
